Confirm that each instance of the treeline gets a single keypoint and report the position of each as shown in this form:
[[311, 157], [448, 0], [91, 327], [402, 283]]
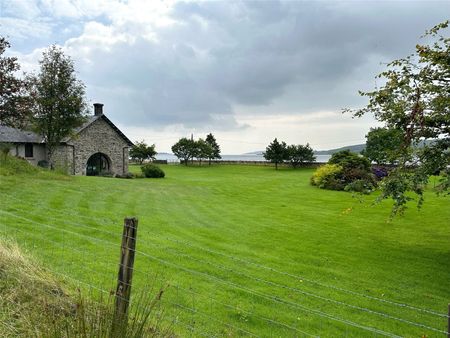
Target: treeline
[[202, 149], [279, 152]]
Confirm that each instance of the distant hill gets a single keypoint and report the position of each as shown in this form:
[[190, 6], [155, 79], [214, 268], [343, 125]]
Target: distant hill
[[357, 148], [258, 153]]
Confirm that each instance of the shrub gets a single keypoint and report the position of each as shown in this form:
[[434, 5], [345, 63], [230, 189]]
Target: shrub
[[5, 148], [380, 172], [127, 175], [152, 171], [361, 186], [348, 160], [326, 175], [354, 174], [345, 171]]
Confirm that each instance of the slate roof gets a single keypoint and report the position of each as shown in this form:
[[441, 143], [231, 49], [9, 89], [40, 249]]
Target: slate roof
[[13, 135]]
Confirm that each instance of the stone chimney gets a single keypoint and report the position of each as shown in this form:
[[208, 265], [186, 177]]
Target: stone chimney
[[98, 109]]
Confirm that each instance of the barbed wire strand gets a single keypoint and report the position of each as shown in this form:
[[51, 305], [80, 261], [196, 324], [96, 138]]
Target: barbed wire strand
[[268, 297], [310, 294], [172, 303], [198, 294], [298, 277], [395, 303], [189, 270]]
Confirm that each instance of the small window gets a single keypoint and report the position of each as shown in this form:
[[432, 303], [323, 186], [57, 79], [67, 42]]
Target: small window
[[28, 149]]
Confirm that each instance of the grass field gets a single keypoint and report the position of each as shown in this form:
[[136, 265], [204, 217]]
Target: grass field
[[245, 249]]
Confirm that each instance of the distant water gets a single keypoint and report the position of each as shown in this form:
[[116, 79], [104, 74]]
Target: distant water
[[258, 158]]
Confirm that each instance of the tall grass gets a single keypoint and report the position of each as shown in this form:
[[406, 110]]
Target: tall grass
[[33, 303]]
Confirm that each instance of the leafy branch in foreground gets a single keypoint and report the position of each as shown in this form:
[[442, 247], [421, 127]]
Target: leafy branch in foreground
[[415, 100]]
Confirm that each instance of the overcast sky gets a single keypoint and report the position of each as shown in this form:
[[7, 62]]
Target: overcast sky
[[246, 71]]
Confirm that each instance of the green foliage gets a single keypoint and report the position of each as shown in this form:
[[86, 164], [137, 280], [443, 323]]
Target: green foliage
[[276, 152], [299, 154], [353, 174], [326, 177], [383, 145], [184, 149], [349, 160], [215, 153], [187, 149], [415, 100], [14, 103], [58, 98], [203, 150], [140, 151], [361, 186], [152, 171], [5, 148]]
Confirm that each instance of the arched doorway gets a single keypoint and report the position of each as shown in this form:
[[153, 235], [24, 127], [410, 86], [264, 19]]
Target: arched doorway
[[98, 164]]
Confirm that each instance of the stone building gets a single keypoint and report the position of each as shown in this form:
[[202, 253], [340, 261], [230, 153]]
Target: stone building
[[96, 148]]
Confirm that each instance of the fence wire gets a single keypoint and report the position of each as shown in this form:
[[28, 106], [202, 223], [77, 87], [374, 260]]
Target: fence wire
[[69, 230]]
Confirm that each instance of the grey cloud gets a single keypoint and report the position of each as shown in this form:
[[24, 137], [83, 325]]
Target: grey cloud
[[296, 56]]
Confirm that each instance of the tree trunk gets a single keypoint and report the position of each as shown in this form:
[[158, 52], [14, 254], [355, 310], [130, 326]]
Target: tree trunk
[[276, 165], [209, 161], [50, 151]]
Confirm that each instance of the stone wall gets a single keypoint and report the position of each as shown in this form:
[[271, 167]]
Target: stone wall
[[98, 137], [63, 158]]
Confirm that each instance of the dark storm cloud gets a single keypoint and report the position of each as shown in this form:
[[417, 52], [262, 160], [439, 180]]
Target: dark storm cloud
[[293, 56]]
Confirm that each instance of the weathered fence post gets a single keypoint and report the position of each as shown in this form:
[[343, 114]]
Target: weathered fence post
[[124, 278]]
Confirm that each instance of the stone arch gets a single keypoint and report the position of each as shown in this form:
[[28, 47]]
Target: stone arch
[[97, 164]]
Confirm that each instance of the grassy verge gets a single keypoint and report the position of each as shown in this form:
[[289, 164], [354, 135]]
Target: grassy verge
[[33, 303]]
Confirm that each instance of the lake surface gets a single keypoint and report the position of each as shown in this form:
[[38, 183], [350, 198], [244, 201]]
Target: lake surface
[[259, 158]]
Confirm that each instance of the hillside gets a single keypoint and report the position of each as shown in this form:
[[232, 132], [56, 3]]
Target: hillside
[[357, 148]]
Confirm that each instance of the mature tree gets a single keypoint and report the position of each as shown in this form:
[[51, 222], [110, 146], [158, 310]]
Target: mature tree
[[415, 99], [203, 150], [141, 152], [59, 103], [215, 154], [383, 145], [298, 154], [14, 103], [184, 149], [276, 152]]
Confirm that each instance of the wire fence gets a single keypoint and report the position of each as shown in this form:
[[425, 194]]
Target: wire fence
[[209, 292]]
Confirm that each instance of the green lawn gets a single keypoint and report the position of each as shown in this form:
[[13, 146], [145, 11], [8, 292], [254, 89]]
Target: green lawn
[[245, 249]]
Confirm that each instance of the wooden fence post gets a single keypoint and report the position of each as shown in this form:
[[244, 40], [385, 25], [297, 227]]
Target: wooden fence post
[[124, 278]]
